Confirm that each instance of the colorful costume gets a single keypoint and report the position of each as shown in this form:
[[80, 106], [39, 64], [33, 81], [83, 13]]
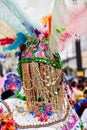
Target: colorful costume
[[44, 103]]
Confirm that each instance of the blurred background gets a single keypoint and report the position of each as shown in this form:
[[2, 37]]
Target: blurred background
[[74, 58], [8, 62]]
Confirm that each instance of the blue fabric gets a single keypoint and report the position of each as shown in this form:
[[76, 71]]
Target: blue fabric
[[77, 107], [79, 103], [82, 101]]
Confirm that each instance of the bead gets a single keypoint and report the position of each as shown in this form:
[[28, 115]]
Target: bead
[[44, 73], [48, 84], [20, 109], [56, 93], [54, 82], [48, 77]]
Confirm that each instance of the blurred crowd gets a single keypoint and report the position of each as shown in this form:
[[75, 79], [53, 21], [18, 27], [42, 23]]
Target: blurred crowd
[[77, 95]]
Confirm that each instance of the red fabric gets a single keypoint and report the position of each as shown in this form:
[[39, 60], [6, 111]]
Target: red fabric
[[10, 123], [82, 108]]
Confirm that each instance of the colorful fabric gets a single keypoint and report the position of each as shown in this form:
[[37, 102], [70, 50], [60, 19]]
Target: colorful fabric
[[80, 106], [20, 111]]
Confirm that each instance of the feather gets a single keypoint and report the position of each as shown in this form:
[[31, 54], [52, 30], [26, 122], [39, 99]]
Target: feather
[[21, 39], [76, 27], [12, 6], [6, 31], [9, 18], [59, 17], [6, 41], [69, 22]]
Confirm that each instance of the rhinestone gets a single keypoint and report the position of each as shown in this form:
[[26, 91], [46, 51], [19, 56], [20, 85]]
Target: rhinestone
[[20, 109], [48, 84], [48, 77]]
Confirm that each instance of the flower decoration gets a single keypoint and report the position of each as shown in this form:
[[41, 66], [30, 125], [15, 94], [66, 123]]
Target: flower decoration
[[21, 39], [12, 82], [7, 122]]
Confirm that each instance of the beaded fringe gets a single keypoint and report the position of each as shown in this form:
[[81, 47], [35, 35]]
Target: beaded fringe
[[43, 82]]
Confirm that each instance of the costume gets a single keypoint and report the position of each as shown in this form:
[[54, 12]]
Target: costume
[[44, 104]]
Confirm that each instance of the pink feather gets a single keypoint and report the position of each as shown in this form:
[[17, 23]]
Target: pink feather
[[76, 27]]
